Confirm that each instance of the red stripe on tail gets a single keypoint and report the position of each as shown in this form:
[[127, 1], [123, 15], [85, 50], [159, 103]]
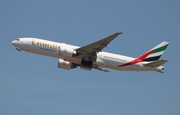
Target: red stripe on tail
[[137, 60]]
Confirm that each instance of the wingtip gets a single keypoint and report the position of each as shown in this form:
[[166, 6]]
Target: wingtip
[[119, 32]]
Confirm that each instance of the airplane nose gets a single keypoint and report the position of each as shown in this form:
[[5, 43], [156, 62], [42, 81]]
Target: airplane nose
[[13, 43]]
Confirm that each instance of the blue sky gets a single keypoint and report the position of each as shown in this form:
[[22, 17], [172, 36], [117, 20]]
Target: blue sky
[[32, 84]]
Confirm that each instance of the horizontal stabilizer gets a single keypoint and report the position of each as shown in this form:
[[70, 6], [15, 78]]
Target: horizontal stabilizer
[[156, 63]]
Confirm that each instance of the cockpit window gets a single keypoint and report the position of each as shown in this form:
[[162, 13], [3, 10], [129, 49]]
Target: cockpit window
[[18, 39]]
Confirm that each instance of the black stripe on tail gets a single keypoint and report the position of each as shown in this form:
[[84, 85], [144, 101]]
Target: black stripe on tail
[[152, 58]]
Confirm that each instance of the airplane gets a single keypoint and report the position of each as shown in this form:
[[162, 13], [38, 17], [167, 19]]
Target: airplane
[[91, 56]]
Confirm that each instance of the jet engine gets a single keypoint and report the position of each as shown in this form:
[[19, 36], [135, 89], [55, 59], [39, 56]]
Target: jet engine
[[65, 65], [67, 52]]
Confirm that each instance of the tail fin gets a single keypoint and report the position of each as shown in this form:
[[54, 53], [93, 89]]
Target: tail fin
[[156, 52], [152, 55]]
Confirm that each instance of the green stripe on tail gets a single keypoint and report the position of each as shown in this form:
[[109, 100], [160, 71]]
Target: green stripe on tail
[[157, 52]]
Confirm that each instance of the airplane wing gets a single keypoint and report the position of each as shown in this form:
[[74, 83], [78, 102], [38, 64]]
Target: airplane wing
[[93, 48]]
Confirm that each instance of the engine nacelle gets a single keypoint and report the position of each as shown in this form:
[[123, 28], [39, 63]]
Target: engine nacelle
[[65, 64], [67, 52]]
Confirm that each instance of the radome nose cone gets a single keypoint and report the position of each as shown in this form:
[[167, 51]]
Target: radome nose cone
[[13, 43]]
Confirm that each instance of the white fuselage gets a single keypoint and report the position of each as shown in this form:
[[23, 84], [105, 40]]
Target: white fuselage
[[104, 59]]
